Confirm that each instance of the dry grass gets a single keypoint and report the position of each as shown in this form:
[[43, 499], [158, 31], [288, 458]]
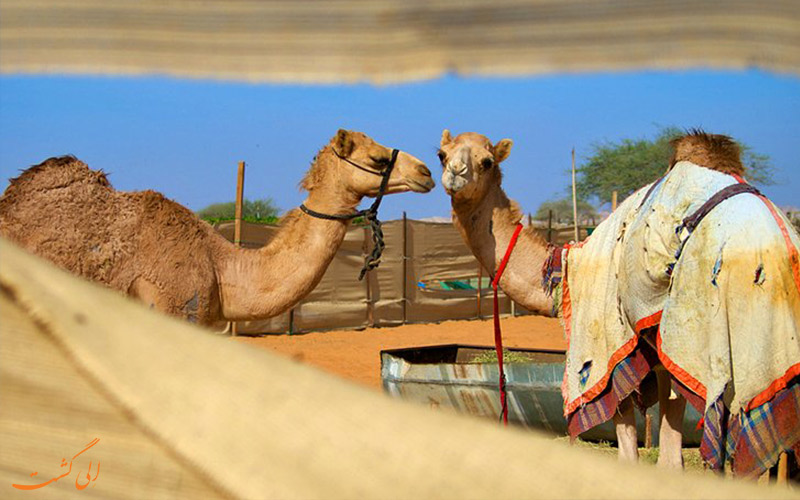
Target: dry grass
[[692, 461], [508, 357]]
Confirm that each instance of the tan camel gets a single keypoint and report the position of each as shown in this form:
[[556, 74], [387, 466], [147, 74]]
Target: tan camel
[[486, 219], [158, 251]]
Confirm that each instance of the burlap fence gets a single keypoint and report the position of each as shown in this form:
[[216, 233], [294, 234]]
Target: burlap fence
[[427, 274]]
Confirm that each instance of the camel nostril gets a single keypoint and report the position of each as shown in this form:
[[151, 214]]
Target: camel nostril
[[424, 170]]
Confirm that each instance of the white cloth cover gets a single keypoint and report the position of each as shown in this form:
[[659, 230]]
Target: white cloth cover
[[729, 313]]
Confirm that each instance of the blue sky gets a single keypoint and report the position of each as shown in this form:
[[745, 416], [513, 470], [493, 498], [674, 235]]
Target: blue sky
[[185, 137]]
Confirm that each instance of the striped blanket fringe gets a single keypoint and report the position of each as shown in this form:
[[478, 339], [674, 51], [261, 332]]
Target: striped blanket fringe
[[751, 440], [624, 381]]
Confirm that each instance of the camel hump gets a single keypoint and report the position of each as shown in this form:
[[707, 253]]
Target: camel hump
[[56, 172], [714, 151]]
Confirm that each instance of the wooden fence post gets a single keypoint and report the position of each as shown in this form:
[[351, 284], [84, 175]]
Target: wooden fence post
[[479, 287], [549, 226], [367, 281], [237, 223], [613, 201], [574, 198]]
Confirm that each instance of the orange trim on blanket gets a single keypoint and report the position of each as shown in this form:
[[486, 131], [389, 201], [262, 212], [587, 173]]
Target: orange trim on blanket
[[601, 384], [649, 321], [615, 359], [679, 373], [566, 303], [777, 385]]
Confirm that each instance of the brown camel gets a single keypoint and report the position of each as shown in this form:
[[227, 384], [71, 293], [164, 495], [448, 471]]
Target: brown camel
[[619, 317], [158, 251]]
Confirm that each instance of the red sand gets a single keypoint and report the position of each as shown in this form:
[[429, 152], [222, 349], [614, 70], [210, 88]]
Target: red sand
[[355, 355]]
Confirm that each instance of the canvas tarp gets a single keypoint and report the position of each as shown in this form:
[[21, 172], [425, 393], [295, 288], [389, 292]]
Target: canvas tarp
[[182, 413], [385, 41]]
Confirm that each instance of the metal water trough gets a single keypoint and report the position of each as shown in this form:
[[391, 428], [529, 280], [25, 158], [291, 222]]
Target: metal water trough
[[445, 376]]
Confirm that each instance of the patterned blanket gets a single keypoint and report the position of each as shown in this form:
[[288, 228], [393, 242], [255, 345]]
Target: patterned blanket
[[724, 314]]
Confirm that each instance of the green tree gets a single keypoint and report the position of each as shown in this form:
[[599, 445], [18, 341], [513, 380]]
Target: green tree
[[264, 211], [629, 164], [793, 214], [562, 211]]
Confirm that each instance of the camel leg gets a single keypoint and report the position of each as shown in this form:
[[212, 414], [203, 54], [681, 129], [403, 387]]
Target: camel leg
[[671, 408], [625, 424]]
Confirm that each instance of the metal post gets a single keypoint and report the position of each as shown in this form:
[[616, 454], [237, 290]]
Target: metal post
[[574, 197], [405, 266], [237, 223]]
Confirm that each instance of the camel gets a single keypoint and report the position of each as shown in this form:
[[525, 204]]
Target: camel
[[159, 252], [635, 295]]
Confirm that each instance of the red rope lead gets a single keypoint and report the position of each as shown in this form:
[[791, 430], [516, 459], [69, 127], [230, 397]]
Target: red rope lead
[[498, 338]]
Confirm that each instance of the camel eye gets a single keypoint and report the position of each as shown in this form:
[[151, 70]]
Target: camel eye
[[380, 162], [442, 156], [487, 163]]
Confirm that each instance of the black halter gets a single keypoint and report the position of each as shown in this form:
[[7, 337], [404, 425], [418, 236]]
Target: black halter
[[372, 260]]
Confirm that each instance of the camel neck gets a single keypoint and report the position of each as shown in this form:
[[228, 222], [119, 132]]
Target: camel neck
[[487, 228], [268, 281]]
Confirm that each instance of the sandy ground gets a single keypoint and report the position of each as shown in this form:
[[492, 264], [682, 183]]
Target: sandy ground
[[355, 355]]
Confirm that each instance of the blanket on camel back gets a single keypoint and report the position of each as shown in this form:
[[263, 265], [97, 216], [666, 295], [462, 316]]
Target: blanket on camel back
[[720, 306]]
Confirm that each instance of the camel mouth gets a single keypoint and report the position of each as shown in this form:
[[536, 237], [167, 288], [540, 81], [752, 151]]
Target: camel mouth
[[452, 182], [424, 186]]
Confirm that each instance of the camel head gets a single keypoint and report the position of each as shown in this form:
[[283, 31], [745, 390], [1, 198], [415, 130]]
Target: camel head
[[361, 158], [471, 164]]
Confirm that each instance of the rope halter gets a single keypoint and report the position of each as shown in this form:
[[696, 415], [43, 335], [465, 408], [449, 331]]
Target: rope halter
[[370, 214]]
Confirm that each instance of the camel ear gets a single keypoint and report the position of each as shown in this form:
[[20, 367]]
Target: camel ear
[[502, 149], [446, 138], [344, 142]]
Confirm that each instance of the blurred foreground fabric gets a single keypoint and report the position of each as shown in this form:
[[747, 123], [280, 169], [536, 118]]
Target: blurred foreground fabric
[[182, 413], [385, 41]]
